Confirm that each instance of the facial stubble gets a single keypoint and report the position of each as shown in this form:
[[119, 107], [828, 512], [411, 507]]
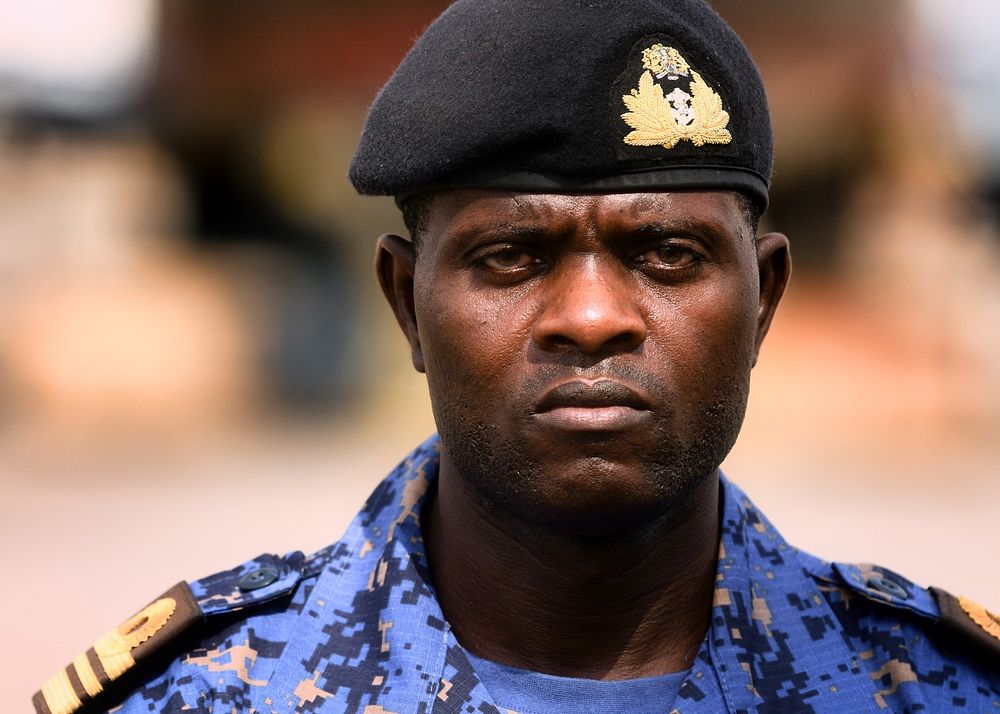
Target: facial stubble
[[511, 480]]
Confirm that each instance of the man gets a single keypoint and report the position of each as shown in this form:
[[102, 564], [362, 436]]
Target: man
[[586, 293]]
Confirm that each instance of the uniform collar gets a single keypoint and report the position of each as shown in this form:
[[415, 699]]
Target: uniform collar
[[393, 648], [773, 639]]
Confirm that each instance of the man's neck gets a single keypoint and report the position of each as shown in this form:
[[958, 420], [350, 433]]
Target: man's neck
[[636, 605]]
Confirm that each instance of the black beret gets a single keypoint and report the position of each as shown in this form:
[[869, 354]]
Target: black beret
[[570, 96]]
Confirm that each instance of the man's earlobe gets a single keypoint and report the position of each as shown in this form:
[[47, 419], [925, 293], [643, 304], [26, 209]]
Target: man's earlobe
[[774, 264], [395, 266]]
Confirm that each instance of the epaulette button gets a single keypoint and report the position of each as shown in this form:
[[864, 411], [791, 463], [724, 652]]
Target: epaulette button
[[888, 587], [257, 579]]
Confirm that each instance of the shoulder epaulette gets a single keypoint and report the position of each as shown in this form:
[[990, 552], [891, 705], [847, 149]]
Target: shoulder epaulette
[[886, 587], [93, 675], [967, 626], [971, 624]]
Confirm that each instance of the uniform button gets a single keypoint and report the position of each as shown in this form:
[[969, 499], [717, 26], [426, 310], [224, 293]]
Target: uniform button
[[257, 579], [888, 587]]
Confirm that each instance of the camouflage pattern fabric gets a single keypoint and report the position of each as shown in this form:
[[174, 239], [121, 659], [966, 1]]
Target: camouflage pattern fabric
[[357, 628]]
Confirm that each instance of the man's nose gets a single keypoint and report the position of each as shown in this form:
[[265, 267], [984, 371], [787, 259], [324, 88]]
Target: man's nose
[[590, 307]]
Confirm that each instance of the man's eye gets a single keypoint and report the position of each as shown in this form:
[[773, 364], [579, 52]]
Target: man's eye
[[669, 256], [504, 260]]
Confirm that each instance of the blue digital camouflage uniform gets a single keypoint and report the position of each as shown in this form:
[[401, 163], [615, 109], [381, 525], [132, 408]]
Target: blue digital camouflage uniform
[[357, 628]]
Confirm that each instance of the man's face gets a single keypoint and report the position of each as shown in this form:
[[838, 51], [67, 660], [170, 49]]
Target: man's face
[[588, 357]]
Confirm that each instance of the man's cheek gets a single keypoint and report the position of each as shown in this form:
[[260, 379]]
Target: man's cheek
[[461, 366], [722, 329], [482, 338]]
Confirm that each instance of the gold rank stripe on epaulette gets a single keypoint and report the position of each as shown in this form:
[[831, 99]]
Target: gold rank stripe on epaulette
[[969, 623], [118, 651]]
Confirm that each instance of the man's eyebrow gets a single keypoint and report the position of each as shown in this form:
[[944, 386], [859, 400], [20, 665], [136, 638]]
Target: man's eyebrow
[[641, 208], [510, 225], [673, 227], [500, 230]]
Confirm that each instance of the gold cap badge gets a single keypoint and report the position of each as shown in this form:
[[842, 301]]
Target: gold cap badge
[[692, 114]]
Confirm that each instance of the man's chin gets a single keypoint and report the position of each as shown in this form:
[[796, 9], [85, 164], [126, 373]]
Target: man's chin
[[597, 489], [593, 507], [598, 524]]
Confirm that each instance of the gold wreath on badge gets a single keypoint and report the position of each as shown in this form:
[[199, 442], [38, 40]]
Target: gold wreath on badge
[[695, 115], [981, 616]]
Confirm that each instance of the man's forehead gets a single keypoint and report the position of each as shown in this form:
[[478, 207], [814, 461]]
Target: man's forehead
[[457, 208]]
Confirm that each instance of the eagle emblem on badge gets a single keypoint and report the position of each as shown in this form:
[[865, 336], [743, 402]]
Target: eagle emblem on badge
[[686, 113]]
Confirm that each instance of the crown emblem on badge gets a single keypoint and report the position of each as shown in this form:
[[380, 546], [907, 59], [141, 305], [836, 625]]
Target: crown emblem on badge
[[692, 114]]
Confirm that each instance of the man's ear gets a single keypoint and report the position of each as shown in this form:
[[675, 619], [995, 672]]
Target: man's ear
[[395, 265], [774, 265]]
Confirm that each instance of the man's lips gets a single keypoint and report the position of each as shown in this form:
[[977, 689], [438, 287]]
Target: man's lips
[[596, 394], [601, 405]]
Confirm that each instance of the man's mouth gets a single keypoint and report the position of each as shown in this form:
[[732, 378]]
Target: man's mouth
[[600, 405]]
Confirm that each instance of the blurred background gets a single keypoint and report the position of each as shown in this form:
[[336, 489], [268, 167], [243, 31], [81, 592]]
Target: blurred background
[[196, 365]]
